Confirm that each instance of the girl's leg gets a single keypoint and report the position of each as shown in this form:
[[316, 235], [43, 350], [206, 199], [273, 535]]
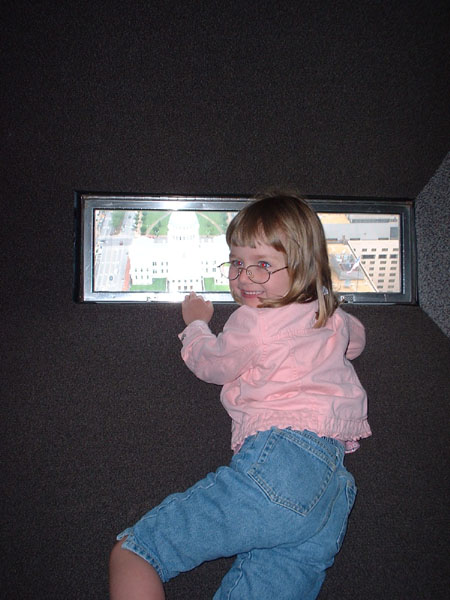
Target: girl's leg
[[270, 574], [132, 578], [277, 492]]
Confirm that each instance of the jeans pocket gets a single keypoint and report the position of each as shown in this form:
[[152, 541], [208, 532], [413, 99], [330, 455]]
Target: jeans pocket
[[292, 472]]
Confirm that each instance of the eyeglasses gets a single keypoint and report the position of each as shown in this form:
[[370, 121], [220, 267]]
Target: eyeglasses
[[255, 273]]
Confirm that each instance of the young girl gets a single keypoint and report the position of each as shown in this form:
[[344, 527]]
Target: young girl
[[295, 402]]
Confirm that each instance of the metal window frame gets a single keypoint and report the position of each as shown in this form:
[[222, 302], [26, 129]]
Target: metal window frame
[[86, 203]]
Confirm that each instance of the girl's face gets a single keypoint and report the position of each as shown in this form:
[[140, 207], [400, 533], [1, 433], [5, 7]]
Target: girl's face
[[244, 290]]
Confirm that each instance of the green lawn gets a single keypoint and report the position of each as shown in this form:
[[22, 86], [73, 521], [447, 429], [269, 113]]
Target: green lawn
[[155, 222], [158, 285], [117, 218], [212, 223], [211, 287]]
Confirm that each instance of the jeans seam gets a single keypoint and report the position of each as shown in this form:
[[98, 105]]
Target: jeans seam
[[240, 573], [343, 528]]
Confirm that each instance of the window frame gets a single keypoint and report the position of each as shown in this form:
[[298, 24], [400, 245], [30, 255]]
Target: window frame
[[86, 203]]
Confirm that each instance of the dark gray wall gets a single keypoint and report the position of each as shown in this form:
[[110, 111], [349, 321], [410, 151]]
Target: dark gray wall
[[185, 97], [334, 98]]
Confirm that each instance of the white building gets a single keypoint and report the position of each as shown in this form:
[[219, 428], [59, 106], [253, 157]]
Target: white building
[[183, 258], [380, 260]]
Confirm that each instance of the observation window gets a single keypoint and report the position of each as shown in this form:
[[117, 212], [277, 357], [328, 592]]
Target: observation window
[[148, 248]]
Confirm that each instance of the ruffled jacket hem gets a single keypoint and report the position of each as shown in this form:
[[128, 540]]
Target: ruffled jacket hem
[[339, 429]]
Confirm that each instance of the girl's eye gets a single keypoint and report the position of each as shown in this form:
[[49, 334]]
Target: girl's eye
[[236, 263], [264, 263]]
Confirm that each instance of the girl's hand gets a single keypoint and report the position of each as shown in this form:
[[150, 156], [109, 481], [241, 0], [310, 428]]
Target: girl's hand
[[195, 308]]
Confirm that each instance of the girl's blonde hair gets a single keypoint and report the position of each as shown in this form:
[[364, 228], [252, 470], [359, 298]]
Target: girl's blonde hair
[[287, 223]]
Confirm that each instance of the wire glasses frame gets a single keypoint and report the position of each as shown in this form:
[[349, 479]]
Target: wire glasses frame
[[255, 273]]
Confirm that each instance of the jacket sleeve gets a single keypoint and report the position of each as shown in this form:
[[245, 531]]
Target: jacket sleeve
[[221, 359], [357, 337]]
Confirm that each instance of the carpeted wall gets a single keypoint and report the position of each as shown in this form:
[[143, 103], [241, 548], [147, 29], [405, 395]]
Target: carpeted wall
[[99, 416]]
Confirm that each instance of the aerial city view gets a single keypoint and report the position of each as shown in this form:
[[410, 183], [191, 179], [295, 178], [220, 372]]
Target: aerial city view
[[179, 251]]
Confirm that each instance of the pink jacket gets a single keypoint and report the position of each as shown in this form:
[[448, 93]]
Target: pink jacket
[[277, 370]]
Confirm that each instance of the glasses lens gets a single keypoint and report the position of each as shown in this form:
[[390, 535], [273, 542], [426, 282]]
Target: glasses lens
[[255, 273], [229, 271], [258, 274]]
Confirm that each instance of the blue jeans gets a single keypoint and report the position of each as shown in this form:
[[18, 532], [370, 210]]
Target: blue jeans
[[281, 507]]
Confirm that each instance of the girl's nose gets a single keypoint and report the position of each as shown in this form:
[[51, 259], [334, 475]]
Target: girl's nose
[[246, 277]]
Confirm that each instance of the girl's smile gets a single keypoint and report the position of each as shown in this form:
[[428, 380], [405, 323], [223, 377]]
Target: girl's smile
[[246, 291]]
